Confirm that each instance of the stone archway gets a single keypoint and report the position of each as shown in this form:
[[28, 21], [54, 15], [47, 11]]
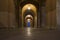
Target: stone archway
[[35, 3], [32, 15], [29, 21], [29, 7]]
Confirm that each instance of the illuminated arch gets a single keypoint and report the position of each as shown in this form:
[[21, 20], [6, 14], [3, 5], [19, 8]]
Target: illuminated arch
[[30, 7], [29, 16]]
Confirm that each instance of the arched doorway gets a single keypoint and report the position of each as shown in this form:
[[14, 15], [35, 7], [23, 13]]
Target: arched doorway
[[29, 8], [29, 21], [28, 14], [32, 12]]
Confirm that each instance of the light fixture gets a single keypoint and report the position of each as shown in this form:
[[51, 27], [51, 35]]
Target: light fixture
[[29, 8]]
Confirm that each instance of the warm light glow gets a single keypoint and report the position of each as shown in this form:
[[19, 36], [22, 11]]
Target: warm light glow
[[29, 8], [28, 31], [28, 15], [28, 20]]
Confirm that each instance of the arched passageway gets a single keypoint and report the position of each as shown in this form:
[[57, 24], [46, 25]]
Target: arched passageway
[[29, 9], [29, 21]]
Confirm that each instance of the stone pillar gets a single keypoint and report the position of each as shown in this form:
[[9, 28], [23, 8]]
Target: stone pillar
[[20, 17], [43, 16], [11, 13], [48, 19], [38, 19], [3, 13], [35, 23], [54, 17], [54, 20], [51, 13]]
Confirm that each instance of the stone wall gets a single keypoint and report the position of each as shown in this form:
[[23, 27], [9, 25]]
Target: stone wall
[[58, 13], [7, 13], [3, 13], [11, 12], [51, 14]]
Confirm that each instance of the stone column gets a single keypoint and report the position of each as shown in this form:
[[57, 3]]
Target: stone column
[[51, 13], [38, 19], [47, 14], [11, 13], [4, 13], [20, 17], [54, 17]]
